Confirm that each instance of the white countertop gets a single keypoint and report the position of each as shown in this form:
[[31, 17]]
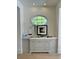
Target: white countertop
[[45, 38]]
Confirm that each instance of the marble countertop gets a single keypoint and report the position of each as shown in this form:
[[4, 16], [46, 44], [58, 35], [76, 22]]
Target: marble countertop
[[45, 38]]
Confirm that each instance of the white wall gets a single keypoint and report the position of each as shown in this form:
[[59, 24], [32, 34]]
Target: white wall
[[29, 12], [49, 12]]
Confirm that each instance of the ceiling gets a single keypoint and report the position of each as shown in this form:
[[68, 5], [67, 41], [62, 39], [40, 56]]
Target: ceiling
[[39, 2]]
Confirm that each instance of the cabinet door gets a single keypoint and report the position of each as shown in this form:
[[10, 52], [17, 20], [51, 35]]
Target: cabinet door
[[34, 44], [39, 44], [53, 46]]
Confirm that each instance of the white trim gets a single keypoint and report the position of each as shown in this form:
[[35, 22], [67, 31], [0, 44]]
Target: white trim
[[59, 32], [20, 5], [58, 27]]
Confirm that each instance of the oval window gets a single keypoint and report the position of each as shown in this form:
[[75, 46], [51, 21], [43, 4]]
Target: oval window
[[39, 20]]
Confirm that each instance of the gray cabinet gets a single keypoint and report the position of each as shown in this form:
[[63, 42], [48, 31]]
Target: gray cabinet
[[42, 45]]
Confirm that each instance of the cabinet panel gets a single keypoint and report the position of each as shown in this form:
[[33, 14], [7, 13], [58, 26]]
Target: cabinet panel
[[42, 45]]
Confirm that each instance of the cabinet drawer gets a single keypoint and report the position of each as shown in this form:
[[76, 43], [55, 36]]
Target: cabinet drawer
[[40, 40]]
